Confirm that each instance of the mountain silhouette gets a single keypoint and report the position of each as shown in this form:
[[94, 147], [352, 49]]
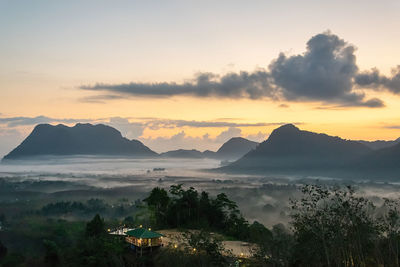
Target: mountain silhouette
[[383, 160], [379, 144], [183, 153], [290, 149], [81, 139], [233, 149]]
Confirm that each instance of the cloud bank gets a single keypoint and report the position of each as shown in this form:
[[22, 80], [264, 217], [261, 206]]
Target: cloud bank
[[24, 121], [326, 72], [373, 79], [205, 142], [243, 85]]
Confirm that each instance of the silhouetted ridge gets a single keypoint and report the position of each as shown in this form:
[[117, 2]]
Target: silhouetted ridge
[[235, 148], [384, 159], [81, 139], [287, 129], [289, 148], [379, 144], [183, 153]]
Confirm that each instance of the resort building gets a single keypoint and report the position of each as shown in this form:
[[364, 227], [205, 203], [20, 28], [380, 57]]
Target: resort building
[[142, 240]]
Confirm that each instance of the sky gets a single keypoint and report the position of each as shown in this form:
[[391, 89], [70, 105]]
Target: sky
[[192, 74]]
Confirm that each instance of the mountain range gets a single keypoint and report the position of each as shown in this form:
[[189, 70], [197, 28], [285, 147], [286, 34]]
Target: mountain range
[[88, 139], [379, 144], [233, 149], [291, 150], [287, 150]]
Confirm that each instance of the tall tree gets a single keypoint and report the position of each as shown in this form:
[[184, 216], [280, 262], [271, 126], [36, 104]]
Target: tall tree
[[95, 227], [158, 200], [3, 250], [334, 227]]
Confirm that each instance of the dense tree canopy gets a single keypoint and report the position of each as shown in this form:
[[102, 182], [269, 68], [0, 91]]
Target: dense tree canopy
[[330, 226], [180, 208]]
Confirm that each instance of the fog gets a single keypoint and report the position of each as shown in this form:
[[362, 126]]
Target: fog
[[262, 198]]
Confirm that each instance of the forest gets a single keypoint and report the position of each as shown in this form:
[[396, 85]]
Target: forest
[[329, 226]]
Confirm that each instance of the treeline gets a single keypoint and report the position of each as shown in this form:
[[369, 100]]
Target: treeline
[[90, 207], [50, 243], [338, 227], [63, 243], [329, 226], [189, 209], [180, 208]]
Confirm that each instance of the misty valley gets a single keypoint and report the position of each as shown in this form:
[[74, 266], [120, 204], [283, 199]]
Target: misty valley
[[180, 133], [87, 196], [59, 210]]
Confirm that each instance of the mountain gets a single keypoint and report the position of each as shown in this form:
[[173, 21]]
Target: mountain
[[290, 149], [379, 144], [211, 154], [235, 148], [183, 153], [81, 139], [385, 160]]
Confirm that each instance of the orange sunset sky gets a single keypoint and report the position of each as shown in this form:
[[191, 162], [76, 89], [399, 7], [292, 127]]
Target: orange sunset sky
[[192, 74]]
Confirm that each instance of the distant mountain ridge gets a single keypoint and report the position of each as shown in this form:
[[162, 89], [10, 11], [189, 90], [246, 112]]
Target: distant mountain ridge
[[100, 139], [382, 160], [233, 149], [182, 153], [81, 139], [289, 150], [379, 144]]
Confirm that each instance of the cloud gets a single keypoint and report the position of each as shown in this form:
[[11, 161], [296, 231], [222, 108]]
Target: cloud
[[182, 141], [228, 134], [9, 139], [373, 79], [326, 72], [259, 137], [253, 85], [166, 123], [179, 141], [394, 127], [102, 99], [131, 130], [24, 121], [138, 123]]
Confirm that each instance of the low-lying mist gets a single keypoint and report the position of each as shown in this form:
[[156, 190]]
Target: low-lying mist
[[262, 198]]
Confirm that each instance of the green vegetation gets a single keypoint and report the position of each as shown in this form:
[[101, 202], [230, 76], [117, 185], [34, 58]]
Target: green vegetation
[[329, 227], [89, 208], [336, 227], [188, 209]]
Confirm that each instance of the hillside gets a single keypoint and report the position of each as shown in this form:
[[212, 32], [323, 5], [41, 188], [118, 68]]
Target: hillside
[[81, 139], [183, 153], [235, 148], [232, 149], [379, 144], [288, 148]]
